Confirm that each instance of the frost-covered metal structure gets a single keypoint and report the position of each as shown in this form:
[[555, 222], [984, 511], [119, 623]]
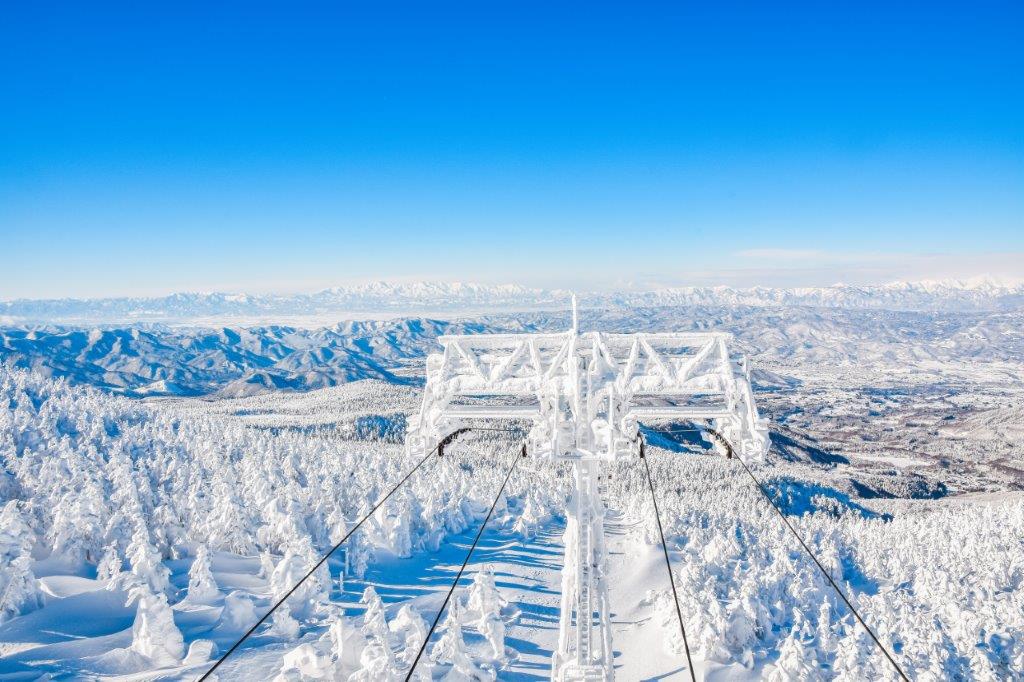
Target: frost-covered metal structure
[[584, 396]]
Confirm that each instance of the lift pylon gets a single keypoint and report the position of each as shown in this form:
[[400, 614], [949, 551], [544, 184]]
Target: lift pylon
[[584, 396]]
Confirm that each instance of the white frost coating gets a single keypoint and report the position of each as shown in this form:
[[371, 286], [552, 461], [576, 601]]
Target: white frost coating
[[311, 594], [154, 634], [943, 577], [493, 630], [283, 625], [202, 587], [238, 614], [111, 563], [304, 663], [584, 397], [199, 651], [485, 603], [375, 622], [484, 600], [18, 591], [146, 564], [584, 394], [451, 651], [410, 629], [375, 665]]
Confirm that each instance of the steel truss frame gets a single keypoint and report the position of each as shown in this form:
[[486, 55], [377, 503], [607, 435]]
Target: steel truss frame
[[584, 397]]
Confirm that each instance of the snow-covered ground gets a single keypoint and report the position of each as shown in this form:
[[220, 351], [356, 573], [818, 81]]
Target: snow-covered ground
[[140, 538]]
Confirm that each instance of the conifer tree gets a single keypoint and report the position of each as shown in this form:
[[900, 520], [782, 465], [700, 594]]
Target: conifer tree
[[202, 587]]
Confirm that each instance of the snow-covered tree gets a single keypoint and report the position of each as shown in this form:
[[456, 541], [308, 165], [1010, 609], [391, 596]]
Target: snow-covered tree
[[239, 614], [111, 564], [411, 630], [154, 634], [202, 587], [492, 627], [375, 622], [283, 625], [16, 537], [302, 663], [483, 598], [146, 564], [335, 639], [314, 592], [451, 651], [795, 661], [375, 665], [18, 591]]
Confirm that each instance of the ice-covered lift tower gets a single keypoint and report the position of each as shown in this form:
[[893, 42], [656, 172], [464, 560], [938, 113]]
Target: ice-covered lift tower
[[584, 396]]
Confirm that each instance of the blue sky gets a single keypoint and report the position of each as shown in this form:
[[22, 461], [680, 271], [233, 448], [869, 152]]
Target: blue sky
[[292, 146]]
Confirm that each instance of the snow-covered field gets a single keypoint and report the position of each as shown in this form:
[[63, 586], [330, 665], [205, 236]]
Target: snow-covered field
[[140, 538]]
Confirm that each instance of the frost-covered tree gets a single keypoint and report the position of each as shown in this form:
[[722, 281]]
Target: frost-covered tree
[[492, 628], [314, 592], [111, 564], [18, 591], [451, 650], [483, 597], [304, 662], [202, 587], [146, 564], [229, 526], [375, 622], [375, 665], [335, 639], [16, 537], [154, 634], [239, 614], [411, 630], [283, 625], [76, 533], [795, 661]]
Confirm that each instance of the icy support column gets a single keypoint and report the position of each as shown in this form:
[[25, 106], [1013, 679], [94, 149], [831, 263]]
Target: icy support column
[[584, 646], [603, 634], [565, 641]]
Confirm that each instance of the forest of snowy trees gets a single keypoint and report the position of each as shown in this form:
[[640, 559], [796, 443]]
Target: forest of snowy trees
[[190, 525]]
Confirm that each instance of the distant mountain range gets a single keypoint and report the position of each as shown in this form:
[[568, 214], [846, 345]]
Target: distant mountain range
[[156, 360], [383, 299], [162, 360]]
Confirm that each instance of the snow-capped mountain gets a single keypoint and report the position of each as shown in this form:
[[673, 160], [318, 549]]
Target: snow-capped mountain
[[162, 360], [379, 298], [234, 361], [383, 299], [949, 295]]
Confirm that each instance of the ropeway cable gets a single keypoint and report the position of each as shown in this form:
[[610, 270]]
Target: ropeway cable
[[439, 448], [668, 564], [515, 460], [807, 549]]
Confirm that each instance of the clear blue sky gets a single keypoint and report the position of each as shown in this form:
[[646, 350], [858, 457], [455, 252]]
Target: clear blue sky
[[153, 147]]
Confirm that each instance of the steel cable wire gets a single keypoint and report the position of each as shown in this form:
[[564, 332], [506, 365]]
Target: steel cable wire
[[668, 564], [515, 460], [438, 448], [814, 558]]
